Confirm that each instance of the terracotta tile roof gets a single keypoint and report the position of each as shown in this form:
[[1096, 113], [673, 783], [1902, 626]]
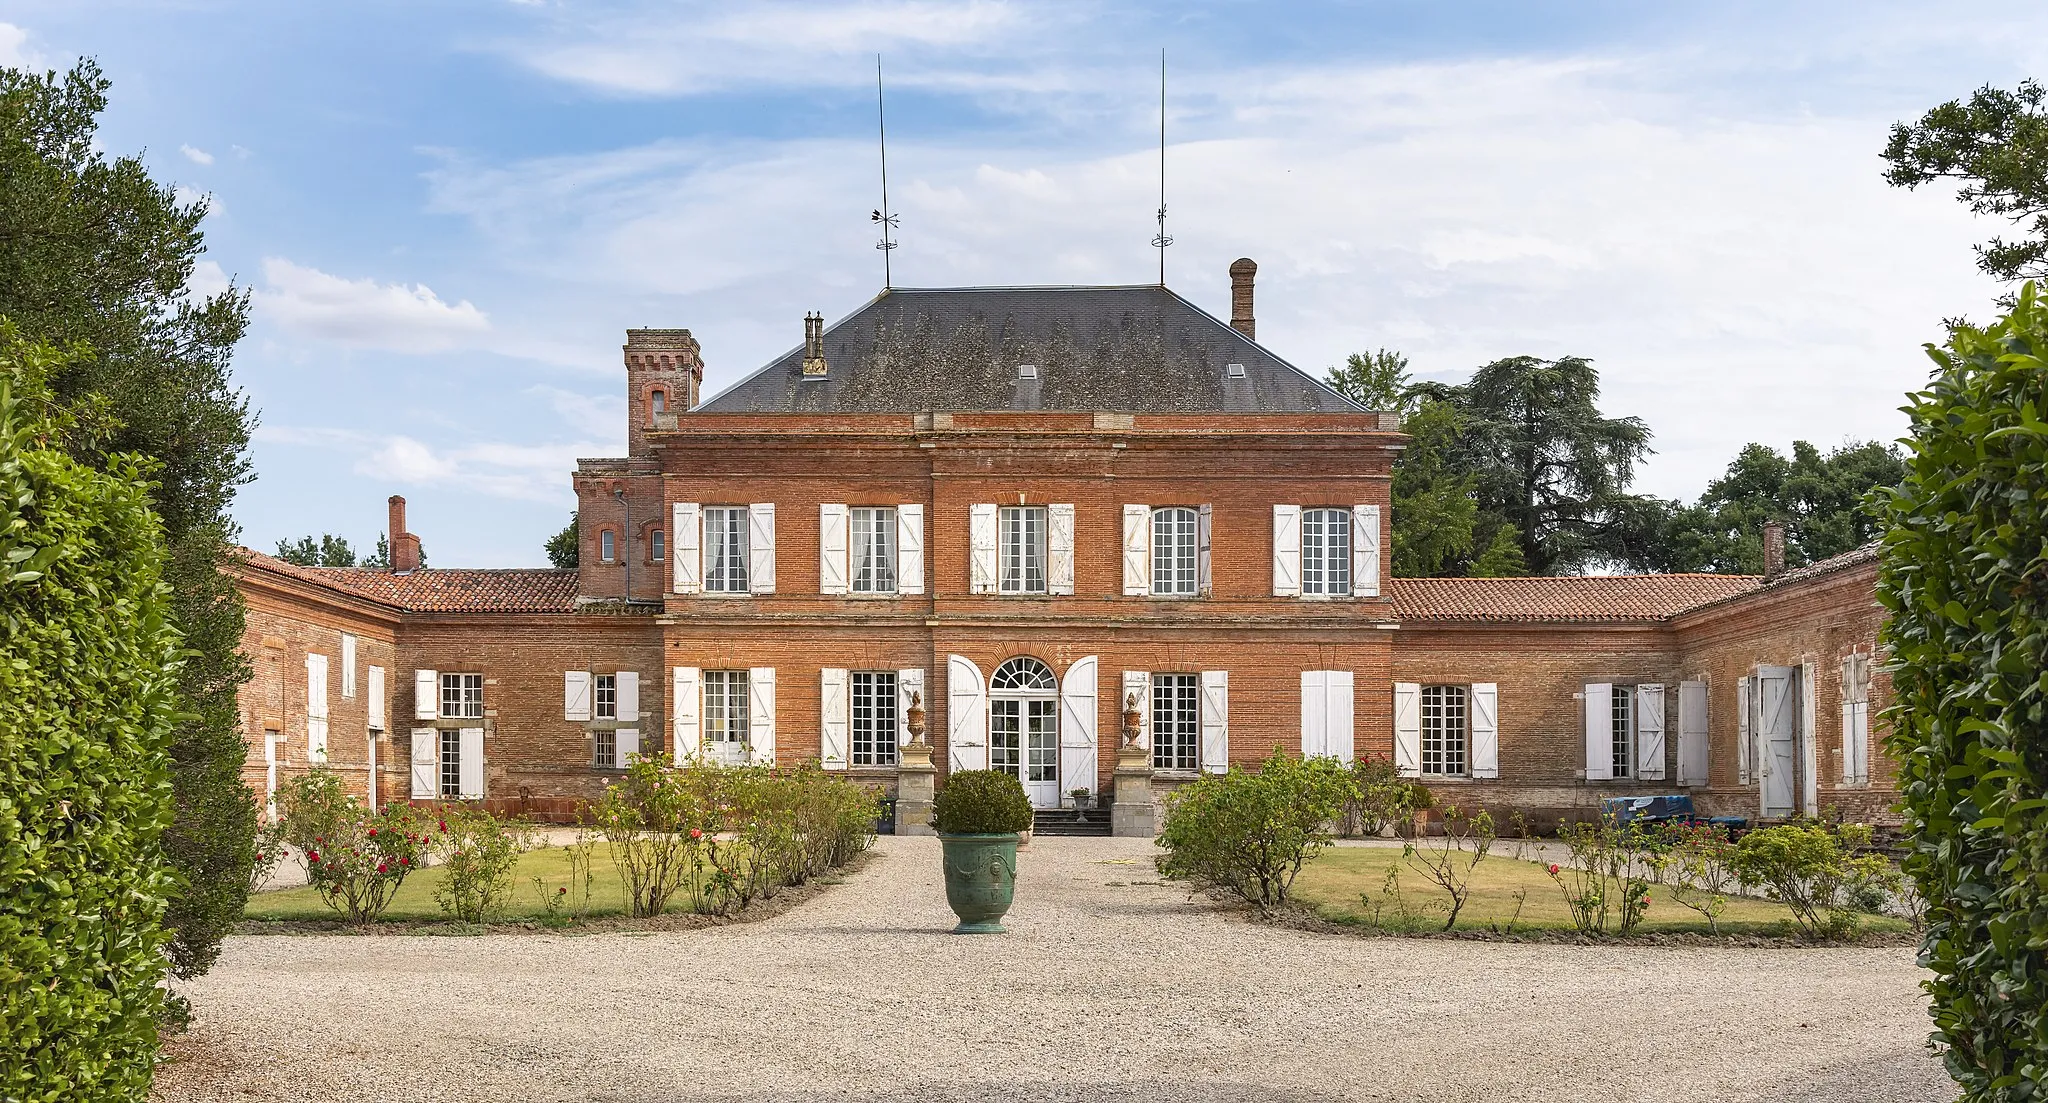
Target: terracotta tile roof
[[440, 590], [1868, 553], [1629, 597]]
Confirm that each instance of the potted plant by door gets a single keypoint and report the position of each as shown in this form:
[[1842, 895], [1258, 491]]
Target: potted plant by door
[[978, 814], [1083, 800]]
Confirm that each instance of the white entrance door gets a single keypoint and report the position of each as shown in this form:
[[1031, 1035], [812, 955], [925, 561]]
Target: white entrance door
[[1024, 743], [1777, 735]]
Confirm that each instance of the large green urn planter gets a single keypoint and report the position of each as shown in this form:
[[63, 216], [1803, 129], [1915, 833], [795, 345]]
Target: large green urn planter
[[981, 876]]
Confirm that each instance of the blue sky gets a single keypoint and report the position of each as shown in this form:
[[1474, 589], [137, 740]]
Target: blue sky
[[449, 212]]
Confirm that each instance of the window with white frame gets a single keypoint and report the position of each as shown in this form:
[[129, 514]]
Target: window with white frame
[[605, 701], [607, 549], [874, 549], [451, 761], [725, 550], [607, 749], [1624, 712], [1445, 715], [1326, 552], [1175, 551], [657, 545], [1176, 721], [462, 697], [725, 706], [873, 698], [1023, 550]]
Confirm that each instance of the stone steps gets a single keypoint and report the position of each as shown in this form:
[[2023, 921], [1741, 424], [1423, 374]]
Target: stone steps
[[1066, 821]]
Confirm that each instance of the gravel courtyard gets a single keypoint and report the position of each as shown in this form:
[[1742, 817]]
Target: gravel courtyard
[[1105, 990]]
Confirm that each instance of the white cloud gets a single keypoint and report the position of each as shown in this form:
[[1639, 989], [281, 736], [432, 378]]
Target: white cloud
[[207, 280], [512, 470], [14, 51], [365, 313], [195, 155], [598, 417]]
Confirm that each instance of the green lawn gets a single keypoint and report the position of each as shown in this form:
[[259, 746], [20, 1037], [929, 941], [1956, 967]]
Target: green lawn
[[1332, 886], [415, 899]]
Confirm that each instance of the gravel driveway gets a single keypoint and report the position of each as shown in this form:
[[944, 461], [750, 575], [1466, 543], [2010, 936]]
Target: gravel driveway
[[1105, 990]]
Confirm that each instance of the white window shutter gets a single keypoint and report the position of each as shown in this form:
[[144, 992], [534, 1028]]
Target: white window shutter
[[316, 686], [1809, 750], [1599, 700], [1485, 729], [1203, 577], [426, 763], [1137, 682], [471, 768], [761, 547], [1340, 740], [426, 694], [981, 548], [1743, 735], [1137, 550], [832, 540], [1215, 721], [374, 704], [628, 683], [1861, 720], [1650, 731], [575, 695], [761, 715], [1692, 733], [685, 547], [1286, 551], [1365, 551], [833, 717], [1059, 548], [910, 548], [316, 740], [1408, 729], [626, 744], [1079, 749], [683, 705], [909, 683], [348, 666], [966, 713], [1315, 720]]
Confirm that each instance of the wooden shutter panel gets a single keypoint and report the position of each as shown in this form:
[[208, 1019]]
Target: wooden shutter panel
[[471, 768], [375, 702], [1059, 548], [685, 550], [966, 714], [1215, 721], [1286, 551], [1485, 729], [316, 686], [1315, 720], [1599, 700], [832, 543], [316, 740], [1137, 550], [1743, 734], [626, 745], [1079, 749], [761, 715], [1692, 733], [1408, 729], [628, 683], [348, 666], [1205, 516], [684, 704], [1650, 731], [910, 548], [761, 547], [909, 682], [426, 763], [834, 711], [1137, 682], [576, 695], [1340, 697], [1809, 750], [1365, 551], [981, 548]]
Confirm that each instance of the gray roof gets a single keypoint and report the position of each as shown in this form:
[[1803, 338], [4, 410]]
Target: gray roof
[[1139, 349]]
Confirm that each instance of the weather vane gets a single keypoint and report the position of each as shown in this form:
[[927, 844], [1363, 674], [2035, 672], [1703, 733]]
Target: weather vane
[[881, 216], [1162, 239]]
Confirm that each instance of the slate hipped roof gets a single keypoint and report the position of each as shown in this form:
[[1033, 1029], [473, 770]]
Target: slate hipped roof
[[1136, 349], [440, 590]]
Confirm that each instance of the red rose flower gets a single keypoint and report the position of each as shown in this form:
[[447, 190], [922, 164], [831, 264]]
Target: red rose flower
[[373, 832], [444, 825], [312, 855], [381, 868], [696, 834], [405, 861], [1553, 869]]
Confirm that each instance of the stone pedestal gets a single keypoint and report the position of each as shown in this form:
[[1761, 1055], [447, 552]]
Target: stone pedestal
[[916, 781], [1133, 814]]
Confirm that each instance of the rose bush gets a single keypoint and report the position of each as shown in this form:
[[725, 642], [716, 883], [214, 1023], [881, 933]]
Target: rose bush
[[356, 860]]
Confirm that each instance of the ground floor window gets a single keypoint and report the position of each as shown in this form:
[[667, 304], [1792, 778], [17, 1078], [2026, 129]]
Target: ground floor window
[[725, 706], [607, 749], [874, 717], [1624, 730], [1176, 722], [1444, 728], [451, 764]]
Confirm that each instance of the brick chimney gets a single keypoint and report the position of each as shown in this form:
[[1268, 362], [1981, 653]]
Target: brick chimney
[[1774, 549], [405, 547], [1242, 270]]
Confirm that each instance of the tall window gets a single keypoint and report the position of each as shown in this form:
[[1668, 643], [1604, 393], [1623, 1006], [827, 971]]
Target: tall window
[[1176, 722], [874, 717], [607, 749], [659, 400], [607, 697], [874, 550], [451, 764], [1624, 729], [1326, 552], [1023, 548], [725, 549], [725, 706], [1174, 551], [1444, 730], [606, 549], [657, 545], [462, 696]]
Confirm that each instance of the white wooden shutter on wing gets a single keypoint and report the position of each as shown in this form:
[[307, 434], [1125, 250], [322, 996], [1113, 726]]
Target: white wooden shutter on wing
[[833, 718], [1339, 737], [683, 706], [1202, 530], [1809, 744], [685, 547], [1079, 748], [316, 709], [1139, 683], [348, 666], [761, 715], [626, 744], [1059, 548], [966, 714], [761, 547], [1692, 733], [426, 763], [1485, 729], [575, 695], [1365, 551], [1599, 731], [832, 544], [471, 768], [1650, 731], [1743, 733], [1315, 720], [375, 703], [909, 687], [426, 694], [1216, 721], [981, 548], [628, 685], [1137, 550], [1286, 551], [910, 548], [1408, 729]]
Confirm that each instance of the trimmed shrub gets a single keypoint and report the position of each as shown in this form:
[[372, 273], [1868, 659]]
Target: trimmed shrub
[[478, 853], [1248, 833], [1965, 580], [1816, 871], [1380, 799], [981, 802], [88, 668], [356, 860]]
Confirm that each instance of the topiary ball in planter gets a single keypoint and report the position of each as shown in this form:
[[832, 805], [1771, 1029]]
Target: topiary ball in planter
[[978, 815]]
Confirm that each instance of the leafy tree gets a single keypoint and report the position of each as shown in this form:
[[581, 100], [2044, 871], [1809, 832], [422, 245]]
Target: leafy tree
[[1819, 497], [1997, 145], [1376, 382], [96, 254], [381, 558], [330, 551], [564, 547]]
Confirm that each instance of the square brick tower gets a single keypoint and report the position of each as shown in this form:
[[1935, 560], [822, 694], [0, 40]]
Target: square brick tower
[[663, 372]]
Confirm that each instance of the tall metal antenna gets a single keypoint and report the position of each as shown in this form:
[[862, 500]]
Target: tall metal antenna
[[882, 216], [1162, 239]]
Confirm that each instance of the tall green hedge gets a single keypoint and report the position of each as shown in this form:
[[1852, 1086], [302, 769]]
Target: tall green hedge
[[87, 682], [1965, 578]]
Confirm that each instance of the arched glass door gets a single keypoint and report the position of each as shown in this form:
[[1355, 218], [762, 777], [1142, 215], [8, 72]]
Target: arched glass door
[[1023, 728]]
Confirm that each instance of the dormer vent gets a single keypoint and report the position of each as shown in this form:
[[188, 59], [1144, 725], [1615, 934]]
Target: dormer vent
[[814, 346], [1027, 371], [1233, 371]]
